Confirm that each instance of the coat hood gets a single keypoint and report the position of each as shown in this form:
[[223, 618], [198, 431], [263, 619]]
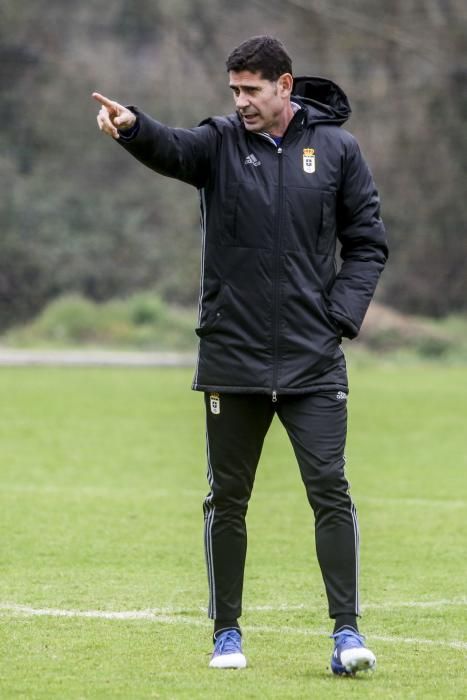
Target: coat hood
[[326, 101]]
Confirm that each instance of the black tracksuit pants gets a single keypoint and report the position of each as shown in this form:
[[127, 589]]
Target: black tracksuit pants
[[316, 425]]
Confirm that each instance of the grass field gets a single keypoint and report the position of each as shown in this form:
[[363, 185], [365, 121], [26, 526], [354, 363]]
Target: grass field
[[102, 583]]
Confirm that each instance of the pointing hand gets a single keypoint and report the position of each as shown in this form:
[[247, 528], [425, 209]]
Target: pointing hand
[[113, 116]]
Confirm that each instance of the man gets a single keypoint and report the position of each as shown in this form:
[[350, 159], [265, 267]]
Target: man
[[279, 182]]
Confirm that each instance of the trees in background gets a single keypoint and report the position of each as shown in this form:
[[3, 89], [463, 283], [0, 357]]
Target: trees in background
[[78, 215]]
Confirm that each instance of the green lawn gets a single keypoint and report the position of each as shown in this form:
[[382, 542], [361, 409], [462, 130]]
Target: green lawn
[[102, 476]]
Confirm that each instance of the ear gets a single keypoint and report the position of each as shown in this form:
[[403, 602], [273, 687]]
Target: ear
[[285, 84]]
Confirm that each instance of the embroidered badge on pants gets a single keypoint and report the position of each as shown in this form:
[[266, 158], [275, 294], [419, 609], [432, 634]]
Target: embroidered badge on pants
[[215, 401]]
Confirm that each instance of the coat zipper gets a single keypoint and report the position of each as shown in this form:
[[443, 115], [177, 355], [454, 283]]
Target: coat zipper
[[276, 280]]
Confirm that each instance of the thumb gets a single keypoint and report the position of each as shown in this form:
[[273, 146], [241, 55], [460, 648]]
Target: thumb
[[124, 119]]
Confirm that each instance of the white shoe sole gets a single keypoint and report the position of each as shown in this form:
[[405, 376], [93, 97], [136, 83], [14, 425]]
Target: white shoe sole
[[359, 659], [228, 661]]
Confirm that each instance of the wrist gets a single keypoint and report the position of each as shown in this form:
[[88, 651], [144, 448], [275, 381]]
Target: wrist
[[129, 132]]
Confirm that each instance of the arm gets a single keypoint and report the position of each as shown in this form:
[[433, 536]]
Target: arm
[[184, 154], [364, 247]]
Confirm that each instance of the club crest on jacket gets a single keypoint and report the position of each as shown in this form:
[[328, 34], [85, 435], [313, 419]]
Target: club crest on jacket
[[309, 160]]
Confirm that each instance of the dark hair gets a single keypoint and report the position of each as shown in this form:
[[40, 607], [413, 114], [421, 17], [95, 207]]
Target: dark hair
[[261, 54]]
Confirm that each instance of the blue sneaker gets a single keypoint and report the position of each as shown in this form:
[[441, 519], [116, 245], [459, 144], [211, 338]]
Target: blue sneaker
[[350, 654], [228, 650]]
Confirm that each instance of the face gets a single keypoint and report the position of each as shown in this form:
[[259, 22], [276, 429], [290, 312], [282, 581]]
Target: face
[[264, 105]]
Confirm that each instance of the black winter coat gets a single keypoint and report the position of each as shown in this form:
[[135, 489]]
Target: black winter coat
[[273, 308]]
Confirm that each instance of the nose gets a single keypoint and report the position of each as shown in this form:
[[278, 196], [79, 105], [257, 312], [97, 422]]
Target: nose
[[241, 100]]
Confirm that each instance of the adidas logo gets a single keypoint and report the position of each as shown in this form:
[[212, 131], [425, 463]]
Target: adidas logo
[[341, 396], [252, 160]]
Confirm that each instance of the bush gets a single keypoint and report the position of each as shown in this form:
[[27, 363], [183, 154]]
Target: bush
[[142, 322]]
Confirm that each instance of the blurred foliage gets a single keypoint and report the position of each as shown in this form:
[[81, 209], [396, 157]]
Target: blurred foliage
[[142, 322], [386, 331], [78, 216]]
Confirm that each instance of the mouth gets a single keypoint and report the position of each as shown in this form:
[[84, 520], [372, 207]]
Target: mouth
[[250, 117]]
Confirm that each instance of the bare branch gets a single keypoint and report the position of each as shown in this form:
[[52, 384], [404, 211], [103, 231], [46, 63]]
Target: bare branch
[[382, 29]]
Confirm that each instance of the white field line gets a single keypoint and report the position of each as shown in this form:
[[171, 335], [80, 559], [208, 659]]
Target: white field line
[[389, 605], [422, 502], [102, 491], [153, 613], [95, 358], [435, 604], [163, 616]]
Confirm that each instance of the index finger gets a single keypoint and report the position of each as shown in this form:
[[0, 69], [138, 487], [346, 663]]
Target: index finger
[[110, 104]]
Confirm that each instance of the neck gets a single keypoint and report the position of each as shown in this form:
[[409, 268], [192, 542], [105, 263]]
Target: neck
[[284, 121]]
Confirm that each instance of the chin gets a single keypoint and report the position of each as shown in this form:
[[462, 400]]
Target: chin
[[252, 127]]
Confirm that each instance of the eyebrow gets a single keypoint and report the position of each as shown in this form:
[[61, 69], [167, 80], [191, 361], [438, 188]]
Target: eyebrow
[[245, 87]]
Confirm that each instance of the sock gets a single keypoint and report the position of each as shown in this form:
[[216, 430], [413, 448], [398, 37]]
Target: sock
[[345, 621], [225, 625]]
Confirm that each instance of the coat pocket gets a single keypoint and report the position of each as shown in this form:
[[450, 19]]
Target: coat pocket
[[310, 220], [334, 324], [228, 215], [212, 315], [328, 231]]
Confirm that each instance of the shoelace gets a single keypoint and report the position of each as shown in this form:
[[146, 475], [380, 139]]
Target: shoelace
[[347, 639], [228, 643]]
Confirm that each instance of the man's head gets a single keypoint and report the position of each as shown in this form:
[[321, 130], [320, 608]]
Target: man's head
[[260, 76], [261, 54]]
